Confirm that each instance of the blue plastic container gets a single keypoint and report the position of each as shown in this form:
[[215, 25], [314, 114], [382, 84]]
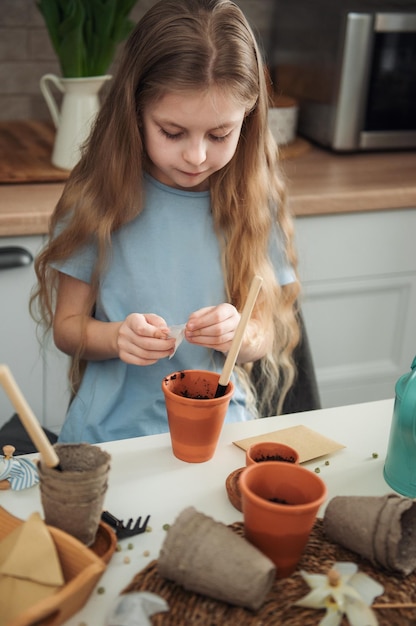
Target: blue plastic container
[[400, 465]]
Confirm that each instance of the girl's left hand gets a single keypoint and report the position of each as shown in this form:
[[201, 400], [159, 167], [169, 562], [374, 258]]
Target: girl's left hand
[[213, 326]]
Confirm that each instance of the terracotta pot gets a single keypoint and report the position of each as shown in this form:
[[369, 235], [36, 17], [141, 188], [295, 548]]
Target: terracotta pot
[[280, 502], [263, 451], [195, 417]]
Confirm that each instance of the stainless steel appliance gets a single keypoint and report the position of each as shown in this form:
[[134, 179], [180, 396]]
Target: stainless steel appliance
[[352, 67]]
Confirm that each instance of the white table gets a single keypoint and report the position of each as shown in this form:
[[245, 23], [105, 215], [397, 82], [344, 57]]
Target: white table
[[146, 479]]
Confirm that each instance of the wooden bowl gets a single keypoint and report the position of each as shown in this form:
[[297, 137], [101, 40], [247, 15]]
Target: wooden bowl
[[81, 567], [105, 542], [233, 488]]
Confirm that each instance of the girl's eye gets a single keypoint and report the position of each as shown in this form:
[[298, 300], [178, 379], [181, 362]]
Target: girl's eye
[[219, 139], [170, 135], [173, 136]]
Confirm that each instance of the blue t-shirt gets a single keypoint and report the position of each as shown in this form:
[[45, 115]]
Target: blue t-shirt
[[165, 261]]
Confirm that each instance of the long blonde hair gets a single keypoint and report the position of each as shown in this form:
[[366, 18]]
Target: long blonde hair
[[183, 46]]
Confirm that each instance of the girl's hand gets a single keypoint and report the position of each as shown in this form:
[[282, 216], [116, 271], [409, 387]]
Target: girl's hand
[[213, 327], [143, 339], [139, 339]]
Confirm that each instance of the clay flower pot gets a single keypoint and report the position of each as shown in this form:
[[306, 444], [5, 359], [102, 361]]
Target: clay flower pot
[[195, 417], [271, 451], [280, 502]]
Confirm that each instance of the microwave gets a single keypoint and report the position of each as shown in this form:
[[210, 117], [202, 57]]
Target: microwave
[[352, 72]]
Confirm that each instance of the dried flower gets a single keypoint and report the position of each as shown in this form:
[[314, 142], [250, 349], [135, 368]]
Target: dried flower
[[343, 591]]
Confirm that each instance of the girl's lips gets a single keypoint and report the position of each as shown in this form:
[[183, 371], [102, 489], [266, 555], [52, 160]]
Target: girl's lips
[[192, 174]]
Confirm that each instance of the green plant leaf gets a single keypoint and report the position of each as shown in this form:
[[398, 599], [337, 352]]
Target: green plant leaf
[[85, 33], [52, 15], [72, 48]]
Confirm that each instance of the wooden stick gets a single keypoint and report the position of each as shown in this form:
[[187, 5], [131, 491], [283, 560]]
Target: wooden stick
[[395, 605], [28, 419], [238, 336]]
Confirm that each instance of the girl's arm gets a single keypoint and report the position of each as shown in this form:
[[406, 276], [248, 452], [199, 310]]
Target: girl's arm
[[140, 339]]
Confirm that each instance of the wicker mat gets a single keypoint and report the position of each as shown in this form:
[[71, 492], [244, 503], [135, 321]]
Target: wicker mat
[[278, 610]]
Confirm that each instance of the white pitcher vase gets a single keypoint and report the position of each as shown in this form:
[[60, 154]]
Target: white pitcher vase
[[79, 108]]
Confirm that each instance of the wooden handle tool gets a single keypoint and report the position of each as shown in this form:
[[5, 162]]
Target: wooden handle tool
[[28, 419], [238, 337]]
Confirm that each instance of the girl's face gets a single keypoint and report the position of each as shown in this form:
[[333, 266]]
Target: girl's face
[[190, 135]]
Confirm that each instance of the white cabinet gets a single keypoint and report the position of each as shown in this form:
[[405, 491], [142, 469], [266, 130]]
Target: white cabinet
[[40, 371], [359, 301]]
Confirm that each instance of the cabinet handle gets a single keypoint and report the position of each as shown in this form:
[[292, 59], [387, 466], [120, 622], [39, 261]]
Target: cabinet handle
[[14, 256]]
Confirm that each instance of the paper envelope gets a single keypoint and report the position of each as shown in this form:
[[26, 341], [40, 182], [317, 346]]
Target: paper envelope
[[308, 443], [29, 568]]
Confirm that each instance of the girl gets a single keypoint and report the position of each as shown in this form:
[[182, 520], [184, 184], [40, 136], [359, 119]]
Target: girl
[[175, 204]]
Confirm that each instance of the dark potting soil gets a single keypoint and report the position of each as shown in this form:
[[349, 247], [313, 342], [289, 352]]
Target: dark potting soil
[[278, 501], [274, 457], [175, 376], [199, 396]]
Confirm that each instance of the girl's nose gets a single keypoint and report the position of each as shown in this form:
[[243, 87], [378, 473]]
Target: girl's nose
[[195, 153]]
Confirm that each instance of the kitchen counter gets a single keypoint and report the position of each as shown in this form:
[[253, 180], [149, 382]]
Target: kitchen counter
[[25, 208], [319, 183]]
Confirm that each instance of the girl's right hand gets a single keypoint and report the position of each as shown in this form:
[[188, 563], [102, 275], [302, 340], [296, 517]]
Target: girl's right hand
[[143, 339], [139, 339]]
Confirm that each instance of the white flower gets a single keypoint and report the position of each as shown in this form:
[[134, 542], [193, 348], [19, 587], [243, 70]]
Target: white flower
[[343, 590]]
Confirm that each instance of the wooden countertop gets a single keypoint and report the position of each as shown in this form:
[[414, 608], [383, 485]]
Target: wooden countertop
[[319, 183], [25, 208]]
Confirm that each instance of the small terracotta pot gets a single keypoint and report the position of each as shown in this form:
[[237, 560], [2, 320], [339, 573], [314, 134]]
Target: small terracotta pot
[[280, 502], [195, 417], [263, 451]]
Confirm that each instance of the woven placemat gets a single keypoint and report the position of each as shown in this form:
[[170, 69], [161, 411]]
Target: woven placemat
[[278, 610]]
